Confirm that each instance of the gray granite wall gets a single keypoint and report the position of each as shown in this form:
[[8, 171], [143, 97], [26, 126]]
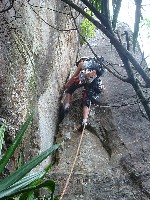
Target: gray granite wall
[[38, 44]]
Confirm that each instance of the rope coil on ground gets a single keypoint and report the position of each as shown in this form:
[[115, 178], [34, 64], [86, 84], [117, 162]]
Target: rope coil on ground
[[75, 159]]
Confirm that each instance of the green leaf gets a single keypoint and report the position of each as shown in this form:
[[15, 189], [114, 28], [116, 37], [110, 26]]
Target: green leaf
[[20, 160], [88, 30], [49, 184], [22, 171], [31, 195], [11, 150], [2, 131], [27, 196], [97, 4], [18, 186]]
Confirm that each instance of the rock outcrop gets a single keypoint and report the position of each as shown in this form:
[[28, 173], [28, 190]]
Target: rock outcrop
[[113, 162], [39, 43]]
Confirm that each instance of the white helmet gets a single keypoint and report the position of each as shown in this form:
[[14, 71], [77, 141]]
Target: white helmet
[[81, 59]]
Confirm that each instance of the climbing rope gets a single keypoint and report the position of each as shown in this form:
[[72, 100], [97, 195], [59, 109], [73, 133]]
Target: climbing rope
[[75, 159]]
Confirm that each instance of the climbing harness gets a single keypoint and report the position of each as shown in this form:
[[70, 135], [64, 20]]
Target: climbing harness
[[75, 159]]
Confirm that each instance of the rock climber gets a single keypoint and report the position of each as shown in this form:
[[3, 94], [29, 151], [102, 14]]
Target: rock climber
[[86, 74]]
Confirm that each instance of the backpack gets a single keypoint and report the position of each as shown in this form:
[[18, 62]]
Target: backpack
[[99, 65], [98, 86], [95, 63]]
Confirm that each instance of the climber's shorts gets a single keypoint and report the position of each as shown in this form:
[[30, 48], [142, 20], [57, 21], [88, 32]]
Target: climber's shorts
[[87, 94], [87, 97], [73, 87]]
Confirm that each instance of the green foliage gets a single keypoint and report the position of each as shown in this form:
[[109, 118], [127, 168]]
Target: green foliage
[[2, 131], [97, 4], [146, 23], [15, 144], [87, 28], [19, 183], [20, 159]]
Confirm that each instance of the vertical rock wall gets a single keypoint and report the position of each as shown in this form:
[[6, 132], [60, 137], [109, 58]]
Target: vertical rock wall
[[37, 47], [113, 161]]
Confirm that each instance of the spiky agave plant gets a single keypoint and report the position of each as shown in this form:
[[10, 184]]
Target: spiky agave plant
[[19, 183]]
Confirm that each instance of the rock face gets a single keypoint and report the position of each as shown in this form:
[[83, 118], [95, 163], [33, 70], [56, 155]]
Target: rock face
[[113, 162], [38, 44]]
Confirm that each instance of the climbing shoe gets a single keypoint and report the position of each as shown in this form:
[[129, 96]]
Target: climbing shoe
[[63, 112], [82, 126], [66, 110]]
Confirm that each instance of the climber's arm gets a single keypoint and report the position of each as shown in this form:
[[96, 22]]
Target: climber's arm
[[75, 75]]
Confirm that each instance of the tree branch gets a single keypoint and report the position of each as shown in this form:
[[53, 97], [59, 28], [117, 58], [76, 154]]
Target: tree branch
[[127, 40], [117, 74], [137, 22]]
